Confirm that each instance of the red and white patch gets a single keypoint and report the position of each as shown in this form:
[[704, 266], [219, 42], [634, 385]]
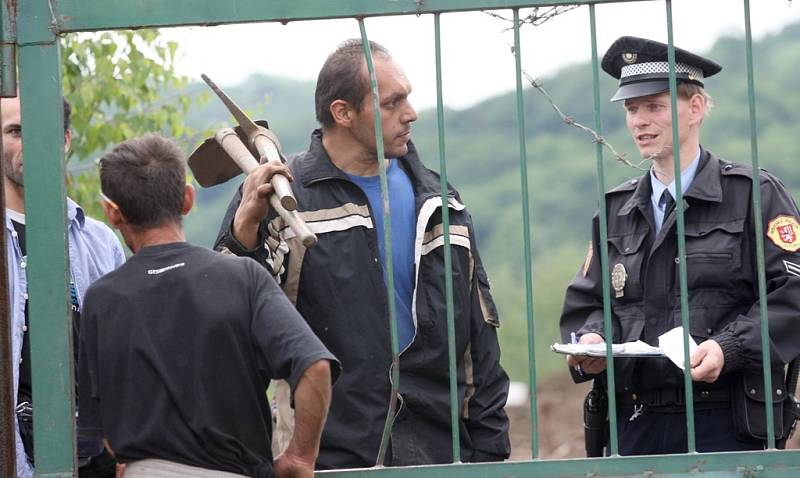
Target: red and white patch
[[784, 231]]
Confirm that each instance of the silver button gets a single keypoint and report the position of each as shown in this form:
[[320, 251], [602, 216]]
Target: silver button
[[24, 328], [20, 360], [23, 264], [752, 391], [779, 392], [25, 296], [13, 233], [709, 331]]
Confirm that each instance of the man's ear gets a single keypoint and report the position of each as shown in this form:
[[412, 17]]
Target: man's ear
[[343, 113], [114, 216], [697, 108], [67, 141], [188, 199]]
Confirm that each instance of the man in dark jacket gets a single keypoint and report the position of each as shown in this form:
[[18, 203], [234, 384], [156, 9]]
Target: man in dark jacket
[[179, 344], [721, 271], [339, 285]]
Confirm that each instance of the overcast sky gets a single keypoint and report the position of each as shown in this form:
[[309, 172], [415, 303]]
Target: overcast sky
[[477, 62]]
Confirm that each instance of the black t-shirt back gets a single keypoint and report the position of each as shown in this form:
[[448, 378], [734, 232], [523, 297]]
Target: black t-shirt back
[[177, 348]]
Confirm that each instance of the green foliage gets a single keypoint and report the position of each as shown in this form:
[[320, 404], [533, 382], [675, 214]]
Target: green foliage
[[121, 85]]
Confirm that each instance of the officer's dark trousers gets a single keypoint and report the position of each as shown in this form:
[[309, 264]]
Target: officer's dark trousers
[[662, 433]]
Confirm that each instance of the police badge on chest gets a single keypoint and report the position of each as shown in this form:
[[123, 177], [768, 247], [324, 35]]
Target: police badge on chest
[[618, 277]]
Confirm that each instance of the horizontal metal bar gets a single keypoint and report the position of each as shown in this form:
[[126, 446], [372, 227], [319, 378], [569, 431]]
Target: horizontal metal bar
[[775, 464], [86, 15]]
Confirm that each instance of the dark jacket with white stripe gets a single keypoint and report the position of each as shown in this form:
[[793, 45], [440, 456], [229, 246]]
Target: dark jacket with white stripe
[[338, 286], [721, 277]]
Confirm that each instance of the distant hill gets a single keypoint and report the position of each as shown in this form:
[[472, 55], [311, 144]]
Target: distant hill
[[482, 154]]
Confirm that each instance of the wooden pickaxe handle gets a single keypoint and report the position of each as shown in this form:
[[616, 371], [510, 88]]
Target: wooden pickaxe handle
[[267, 147], [232, 144], [263, 140]]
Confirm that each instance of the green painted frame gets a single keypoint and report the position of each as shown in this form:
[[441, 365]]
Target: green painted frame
[[31, 27]]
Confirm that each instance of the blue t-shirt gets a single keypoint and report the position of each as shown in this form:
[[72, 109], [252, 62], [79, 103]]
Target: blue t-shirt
[[403, 216]]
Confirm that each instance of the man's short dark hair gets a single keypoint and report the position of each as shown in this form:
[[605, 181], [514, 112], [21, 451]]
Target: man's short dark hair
[[343, 77], [67, 114], [145, 177]]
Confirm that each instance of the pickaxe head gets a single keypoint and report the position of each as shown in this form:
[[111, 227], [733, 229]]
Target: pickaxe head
[[211, 165]]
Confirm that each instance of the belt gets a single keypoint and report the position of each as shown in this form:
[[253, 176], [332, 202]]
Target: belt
[[669, 397]]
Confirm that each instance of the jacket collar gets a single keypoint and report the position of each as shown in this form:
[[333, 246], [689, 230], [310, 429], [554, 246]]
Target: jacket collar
[[315, 165], [705, 186]]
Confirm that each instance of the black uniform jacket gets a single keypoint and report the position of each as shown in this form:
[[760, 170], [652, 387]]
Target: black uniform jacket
[[721, 272], [338, 286]]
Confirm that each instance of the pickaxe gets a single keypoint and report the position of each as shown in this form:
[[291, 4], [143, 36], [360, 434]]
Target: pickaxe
[[225, 156]]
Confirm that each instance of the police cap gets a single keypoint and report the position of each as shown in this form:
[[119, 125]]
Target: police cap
[[642, 67]]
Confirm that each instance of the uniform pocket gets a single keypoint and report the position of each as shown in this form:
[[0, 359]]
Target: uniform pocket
[[625, 256], [713, 254]]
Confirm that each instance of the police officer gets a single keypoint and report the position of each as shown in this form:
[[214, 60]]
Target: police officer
[[721, 268]]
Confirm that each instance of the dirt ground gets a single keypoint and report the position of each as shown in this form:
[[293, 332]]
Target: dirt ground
[[560, 405]]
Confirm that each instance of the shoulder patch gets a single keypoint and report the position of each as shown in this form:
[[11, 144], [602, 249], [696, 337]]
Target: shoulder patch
[[784, 232]]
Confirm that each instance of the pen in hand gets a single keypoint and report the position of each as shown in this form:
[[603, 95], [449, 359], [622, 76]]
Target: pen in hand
[[575, 341]]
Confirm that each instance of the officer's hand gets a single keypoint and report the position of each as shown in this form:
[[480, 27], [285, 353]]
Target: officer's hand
[[591, 365], [292, 466], [254, 205], [707, 362]]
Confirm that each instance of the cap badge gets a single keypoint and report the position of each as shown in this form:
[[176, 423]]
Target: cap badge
[[629, 58]]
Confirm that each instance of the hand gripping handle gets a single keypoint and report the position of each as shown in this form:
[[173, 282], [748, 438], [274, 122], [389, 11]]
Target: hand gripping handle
[[230, 142]]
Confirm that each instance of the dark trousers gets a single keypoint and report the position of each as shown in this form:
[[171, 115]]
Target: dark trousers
[[654, 433]]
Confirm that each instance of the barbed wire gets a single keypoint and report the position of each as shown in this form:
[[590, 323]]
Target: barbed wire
[[536, 17], [597, 138]]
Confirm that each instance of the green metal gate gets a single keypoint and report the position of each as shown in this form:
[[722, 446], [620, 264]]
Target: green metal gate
[[30, 30]]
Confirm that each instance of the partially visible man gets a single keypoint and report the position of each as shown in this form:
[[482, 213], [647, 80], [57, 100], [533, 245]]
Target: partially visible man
[[179, 344], [339, 286], [721, 270], [94, 250]]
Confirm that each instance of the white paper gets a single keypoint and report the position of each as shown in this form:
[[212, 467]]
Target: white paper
[[672, 345], [628, 349]]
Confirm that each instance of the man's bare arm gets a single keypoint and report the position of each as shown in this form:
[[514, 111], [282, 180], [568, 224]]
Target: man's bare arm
[[311, 400]]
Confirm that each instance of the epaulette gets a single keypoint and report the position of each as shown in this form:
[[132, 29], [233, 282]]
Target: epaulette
[[628, 186], [729, 168]]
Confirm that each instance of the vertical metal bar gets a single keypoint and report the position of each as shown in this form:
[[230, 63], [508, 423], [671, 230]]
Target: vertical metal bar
[[387, 237], [8, 49], [50, 316], [759, 225], [448, 268], [613, 444], [526, 234], [7, 397], [676, 156]]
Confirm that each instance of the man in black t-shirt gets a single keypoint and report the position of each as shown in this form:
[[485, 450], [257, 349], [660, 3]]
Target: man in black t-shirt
[[179, 345]]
